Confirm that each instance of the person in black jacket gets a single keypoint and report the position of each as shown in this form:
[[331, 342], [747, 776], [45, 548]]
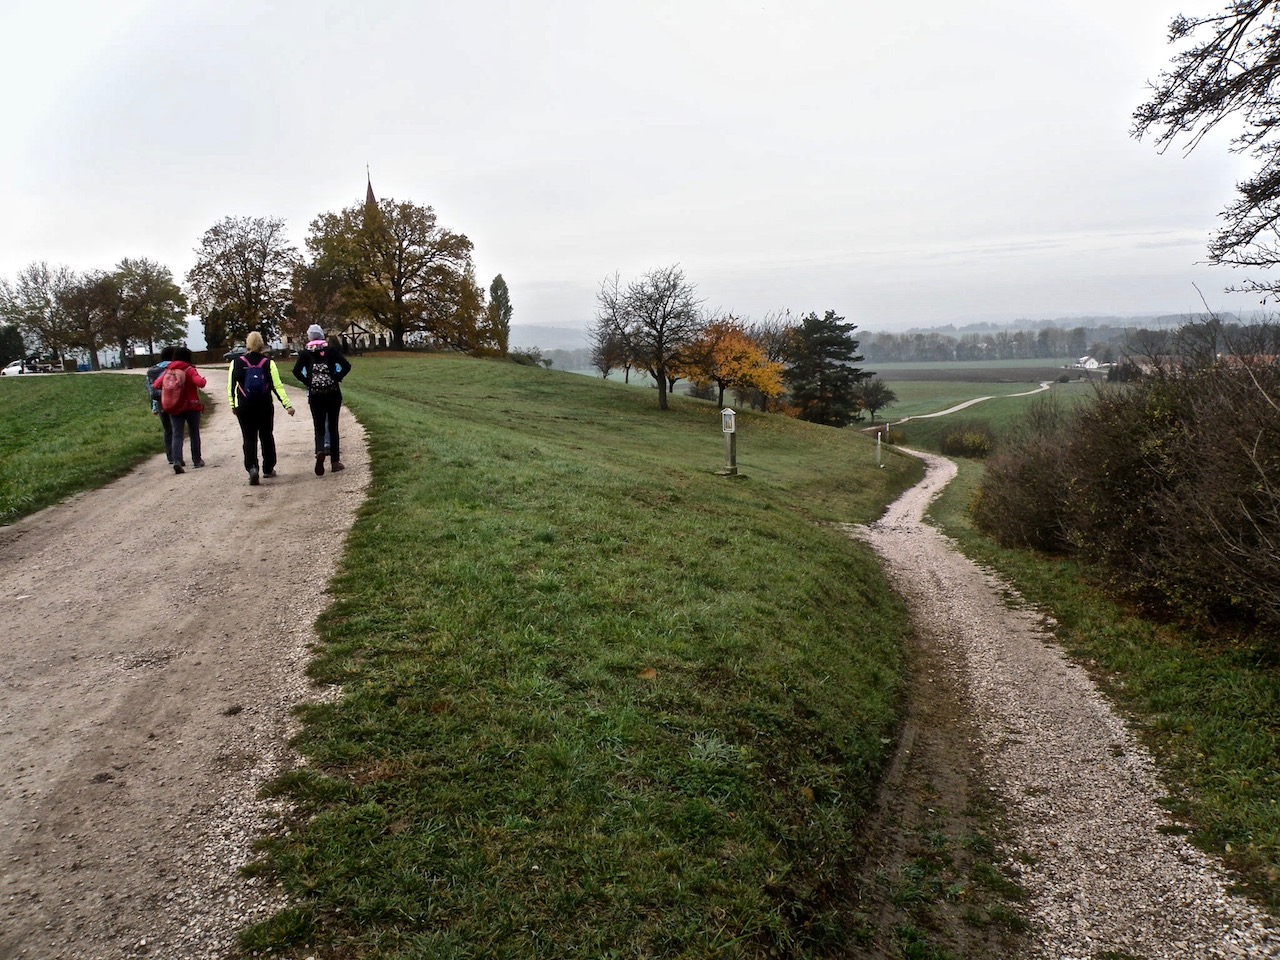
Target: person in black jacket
[[250, 399], [322, 368]]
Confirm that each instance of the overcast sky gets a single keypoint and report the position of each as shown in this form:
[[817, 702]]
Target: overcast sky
[[903, 164]]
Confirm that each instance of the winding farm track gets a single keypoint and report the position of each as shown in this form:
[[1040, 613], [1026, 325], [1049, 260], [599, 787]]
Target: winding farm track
[[156, 636], [1106, 878], [1045, 385]]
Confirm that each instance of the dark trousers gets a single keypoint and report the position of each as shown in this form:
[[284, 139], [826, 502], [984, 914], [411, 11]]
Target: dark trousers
[[257, 426], [324, 417], [167, 424], [181, 422]]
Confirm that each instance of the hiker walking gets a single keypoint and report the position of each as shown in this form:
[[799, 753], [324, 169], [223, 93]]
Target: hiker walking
[[252, 379], [153, 391], [322, 368], [180, 400]]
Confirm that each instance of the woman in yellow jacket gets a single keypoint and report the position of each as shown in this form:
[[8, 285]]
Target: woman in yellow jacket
[[251, 380]]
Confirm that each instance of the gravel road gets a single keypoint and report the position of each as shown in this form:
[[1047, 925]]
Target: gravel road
[[1080, 792], [156, 636]]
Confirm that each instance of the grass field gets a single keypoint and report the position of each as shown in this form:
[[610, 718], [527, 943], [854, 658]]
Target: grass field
[[917, 397], [1001, 413], [63, 434], [597, 700]]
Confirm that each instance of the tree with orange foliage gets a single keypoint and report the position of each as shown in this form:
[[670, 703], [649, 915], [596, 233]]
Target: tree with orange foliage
[[727, 356]]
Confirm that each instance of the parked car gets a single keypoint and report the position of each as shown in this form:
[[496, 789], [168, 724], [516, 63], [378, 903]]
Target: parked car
[[233, 353], [30, 365]]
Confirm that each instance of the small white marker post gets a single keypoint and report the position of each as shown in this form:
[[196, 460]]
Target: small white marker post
[[879, 434], [730, 443]]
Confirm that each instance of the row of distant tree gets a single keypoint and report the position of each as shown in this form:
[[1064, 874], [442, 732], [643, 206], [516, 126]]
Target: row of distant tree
[[928, 346], [1053, 343], [52, 311], [386, 264], [805, 366]]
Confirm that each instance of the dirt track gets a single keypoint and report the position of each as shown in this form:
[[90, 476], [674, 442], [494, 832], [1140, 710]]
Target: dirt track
[[1079, 793], [156, 632]]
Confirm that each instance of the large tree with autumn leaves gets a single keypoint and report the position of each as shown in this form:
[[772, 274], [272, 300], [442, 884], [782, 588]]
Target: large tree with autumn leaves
[[726, 355], [394, 263]]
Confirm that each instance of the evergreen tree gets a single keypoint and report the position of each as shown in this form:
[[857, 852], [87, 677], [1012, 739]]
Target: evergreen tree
[[499, 314], [12, 346], [823, 379]]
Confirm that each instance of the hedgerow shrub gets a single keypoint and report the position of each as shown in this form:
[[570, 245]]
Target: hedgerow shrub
[[1168, 488], [968, 438], [1020, 500], [1223, 519]]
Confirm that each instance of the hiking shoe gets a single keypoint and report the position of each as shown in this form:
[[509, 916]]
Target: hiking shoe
[[177, 468], [253, 476], [337, 465], [269, 475], [198, 463], [319, 464]]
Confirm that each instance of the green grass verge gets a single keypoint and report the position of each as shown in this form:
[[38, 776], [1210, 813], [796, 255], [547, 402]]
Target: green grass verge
[[597, 701], [65, 434], [1208, 707]]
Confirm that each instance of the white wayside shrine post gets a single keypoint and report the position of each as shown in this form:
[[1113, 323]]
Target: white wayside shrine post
[[730, 443]]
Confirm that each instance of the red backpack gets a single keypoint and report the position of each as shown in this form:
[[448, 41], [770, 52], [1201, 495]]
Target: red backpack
[[173, 385]]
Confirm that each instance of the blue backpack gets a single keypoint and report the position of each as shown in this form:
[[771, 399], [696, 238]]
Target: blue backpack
[[255, 388]]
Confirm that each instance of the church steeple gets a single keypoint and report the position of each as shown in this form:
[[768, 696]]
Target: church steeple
[[369, 199]]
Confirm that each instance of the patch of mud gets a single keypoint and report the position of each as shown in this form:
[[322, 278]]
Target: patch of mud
[[930, 879]]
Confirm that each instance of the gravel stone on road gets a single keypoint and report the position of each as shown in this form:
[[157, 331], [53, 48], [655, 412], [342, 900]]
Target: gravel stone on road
[[157, 633], [1081, 794]]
